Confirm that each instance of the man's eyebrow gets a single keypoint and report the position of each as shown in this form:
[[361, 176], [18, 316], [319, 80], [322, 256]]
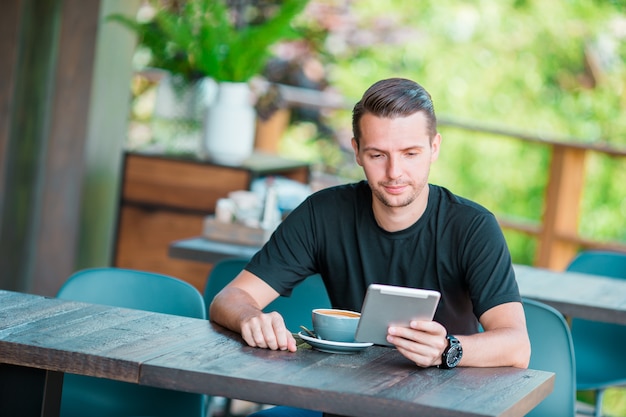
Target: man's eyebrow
[[375, 149]]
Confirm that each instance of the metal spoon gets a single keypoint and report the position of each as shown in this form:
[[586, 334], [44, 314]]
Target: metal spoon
[[310, 332]]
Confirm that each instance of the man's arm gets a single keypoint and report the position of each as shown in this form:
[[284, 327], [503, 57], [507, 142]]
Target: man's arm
[[504, 341], [239, 307]]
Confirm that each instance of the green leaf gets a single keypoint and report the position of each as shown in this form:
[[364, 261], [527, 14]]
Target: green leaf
[[202, 39]]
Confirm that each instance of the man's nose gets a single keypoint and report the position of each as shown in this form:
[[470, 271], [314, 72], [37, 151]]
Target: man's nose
[[394, 167]]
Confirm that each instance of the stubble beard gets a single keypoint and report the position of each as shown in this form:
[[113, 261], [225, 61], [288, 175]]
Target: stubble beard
[[386, 201]]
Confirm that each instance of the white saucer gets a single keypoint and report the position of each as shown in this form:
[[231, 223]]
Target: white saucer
[[329, 346]]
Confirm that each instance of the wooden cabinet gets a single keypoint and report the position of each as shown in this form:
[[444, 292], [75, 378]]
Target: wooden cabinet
[[163, 199]]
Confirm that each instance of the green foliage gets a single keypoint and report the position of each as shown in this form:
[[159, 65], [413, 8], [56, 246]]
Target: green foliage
[[548, 69], [523, 65], [164, 54], [201, 40]]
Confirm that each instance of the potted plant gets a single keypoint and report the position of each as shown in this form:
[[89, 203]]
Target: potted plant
[[206, 39]]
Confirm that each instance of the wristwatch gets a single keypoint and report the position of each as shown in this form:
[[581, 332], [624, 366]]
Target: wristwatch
[[452, 354]]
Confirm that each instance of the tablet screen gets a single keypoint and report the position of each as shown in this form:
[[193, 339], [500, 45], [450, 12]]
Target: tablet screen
[[387, 305]]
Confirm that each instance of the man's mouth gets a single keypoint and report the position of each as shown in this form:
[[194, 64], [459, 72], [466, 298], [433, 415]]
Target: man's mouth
[[395, 189]]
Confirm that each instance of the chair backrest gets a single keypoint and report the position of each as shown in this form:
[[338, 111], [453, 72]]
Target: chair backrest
[[296, 309], [553, 351], [595, 341], [610, 264], [141, 290]]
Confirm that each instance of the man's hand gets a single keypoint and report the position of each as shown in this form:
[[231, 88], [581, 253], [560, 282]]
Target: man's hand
[[423, 342], [267, 330], [239, 307]]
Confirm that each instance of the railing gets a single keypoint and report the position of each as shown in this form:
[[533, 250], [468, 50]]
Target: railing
[[557, 233]]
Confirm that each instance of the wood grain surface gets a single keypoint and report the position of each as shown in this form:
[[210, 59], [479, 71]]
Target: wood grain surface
[[585, 296], [197, 356]]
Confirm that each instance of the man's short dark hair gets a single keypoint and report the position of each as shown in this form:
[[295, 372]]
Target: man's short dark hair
[[394, 97]]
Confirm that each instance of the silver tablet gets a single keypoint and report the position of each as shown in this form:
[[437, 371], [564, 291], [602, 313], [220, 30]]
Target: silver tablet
[[387, 305]]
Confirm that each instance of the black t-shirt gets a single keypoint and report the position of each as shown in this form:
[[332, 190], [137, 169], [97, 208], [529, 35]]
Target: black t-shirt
[[456, 247]]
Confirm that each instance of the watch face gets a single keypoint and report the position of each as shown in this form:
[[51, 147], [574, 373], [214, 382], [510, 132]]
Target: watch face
[[454, 356], [454, 352]]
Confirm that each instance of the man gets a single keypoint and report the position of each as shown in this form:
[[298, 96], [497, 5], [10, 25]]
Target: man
[[395, 228]]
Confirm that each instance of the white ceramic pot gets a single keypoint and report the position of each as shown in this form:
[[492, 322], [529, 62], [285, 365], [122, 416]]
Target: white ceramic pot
[[229, 124]]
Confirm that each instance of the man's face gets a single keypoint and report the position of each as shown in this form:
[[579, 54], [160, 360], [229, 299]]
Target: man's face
[[396, 154]]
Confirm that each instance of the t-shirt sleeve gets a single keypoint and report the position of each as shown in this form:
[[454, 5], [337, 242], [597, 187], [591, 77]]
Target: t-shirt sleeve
[[289, 255], [487, 261]]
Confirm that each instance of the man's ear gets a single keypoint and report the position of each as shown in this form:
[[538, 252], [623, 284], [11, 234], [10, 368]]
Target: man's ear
[[355, 148], [435, 146]]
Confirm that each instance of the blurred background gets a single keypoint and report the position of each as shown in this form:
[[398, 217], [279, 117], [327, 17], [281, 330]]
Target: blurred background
[[539, 70]]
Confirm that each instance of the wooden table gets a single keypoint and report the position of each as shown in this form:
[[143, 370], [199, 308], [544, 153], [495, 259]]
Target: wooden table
[[49, 336], [574, 294], [590, 297], [204, 250]]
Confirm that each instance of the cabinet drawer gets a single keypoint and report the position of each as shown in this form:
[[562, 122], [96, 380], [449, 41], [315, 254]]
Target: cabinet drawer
[[179, 184]]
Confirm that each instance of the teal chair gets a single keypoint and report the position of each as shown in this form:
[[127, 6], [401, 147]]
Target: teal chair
[[599, 345], [95, 397], [552, 351], [296, 309]]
